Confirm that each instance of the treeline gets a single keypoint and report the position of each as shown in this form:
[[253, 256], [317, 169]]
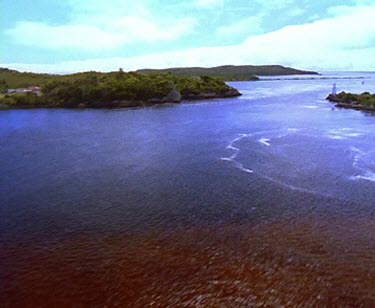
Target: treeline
[[118, 89], [15, 79], [232, 72], [364, 99]]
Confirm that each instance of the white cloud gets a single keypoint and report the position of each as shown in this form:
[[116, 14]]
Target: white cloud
[[275, 4], [355, 30], [89, 10], [209, 3], [340, 42], [69, 36], [295, 12], [117, 32], [134, 29], [249, 25], [96, 24]]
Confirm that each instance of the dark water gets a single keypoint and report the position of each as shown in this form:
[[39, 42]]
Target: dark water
[[267, 199]]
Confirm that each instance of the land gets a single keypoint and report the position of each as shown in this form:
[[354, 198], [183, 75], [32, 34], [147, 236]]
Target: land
[[112, 90], [127, 89], [232, 72], [364, 101], [15, 79]]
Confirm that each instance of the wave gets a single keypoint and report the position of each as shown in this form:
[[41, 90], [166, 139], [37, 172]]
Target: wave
[[236, 150], [343, 133], [264, 141], [358, 156], [367, 174]]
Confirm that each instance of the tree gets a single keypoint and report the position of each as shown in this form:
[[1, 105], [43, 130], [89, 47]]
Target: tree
[[3, 85]]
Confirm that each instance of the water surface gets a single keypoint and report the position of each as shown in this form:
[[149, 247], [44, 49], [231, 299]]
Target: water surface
[[265, 199]]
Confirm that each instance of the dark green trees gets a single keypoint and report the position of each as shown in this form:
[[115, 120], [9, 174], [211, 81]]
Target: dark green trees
[[94, 89]]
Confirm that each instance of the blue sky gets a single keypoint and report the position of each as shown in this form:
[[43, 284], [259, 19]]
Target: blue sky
[[71, 35]]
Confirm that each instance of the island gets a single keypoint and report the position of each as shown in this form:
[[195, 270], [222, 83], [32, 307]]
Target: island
[[127, 89], [108, 90], [364, 101], [232, 72]]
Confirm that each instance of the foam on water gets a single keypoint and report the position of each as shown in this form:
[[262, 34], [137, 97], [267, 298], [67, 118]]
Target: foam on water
[[310, 107], [362, 165], [336, 137], [369, 176], [343, 133], [236, 150], [264, 141], [361, 161], [283, 89]]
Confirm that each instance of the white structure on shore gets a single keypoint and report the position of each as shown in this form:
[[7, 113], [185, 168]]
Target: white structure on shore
[[334, 91]]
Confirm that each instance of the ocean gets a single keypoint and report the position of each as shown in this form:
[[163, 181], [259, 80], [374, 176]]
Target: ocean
[[263, 199]]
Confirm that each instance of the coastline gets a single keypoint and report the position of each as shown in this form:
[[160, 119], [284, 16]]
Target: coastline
[[356, 107], [349, 101], [232, 92]]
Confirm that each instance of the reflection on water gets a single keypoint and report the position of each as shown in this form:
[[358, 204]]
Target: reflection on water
[[263, 200]]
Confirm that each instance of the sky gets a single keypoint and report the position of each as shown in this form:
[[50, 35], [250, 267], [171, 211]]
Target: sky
[[63, 36]]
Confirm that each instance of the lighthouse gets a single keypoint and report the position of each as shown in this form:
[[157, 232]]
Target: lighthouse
[[334, 92]]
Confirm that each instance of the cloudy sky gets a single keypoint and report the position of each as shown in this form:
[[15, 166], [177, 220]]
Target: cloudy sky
[[60, 36]]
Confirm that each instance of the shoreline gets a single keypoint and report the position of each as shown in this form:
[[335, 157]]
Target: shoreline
[[351, 104], [119, 104]]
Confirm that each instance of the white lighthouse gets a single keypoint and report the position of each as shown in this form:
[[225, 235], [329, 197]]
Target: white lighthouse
[[334, 91]]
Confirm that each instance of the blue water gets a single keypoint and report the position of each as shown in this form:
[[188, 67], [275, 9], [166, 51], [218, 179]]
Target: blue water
[[279, 151]]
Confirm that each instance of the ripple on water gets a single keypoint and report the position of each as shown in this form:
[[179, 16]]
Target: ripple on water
[[304, 160], [308, 260]]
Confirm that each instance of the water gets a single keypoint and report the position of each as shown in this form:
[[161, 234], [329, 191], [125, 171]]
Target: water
[[265, 199]]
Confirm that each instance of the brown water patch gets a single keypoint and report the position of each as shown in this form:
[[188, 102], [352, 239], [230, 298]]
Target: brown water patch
[[310, 262]]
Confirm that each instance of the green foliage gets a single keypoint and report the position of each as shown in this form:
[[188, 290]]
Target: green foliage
[[195, 85], [231, 72], [22, 100], [365, 99], [3, 85], [15, 79], [94, 89]]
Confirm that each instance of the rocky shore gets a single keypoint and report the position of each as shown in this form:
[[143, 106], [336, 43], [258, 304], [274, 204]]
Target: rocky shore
[[118, 90], [173, 97], [350, 101]]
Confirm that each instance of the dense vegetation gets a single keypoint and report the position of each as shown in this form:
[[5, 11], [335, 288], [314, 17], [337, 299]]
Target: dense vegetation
[[232, 72], [365, 99], [120, 89], [116, 89], [14, 79]]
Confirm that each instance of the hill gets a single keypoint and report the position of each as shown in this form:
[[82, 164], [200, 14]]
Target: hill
[[114, 89], [232, 72], [15, 79]]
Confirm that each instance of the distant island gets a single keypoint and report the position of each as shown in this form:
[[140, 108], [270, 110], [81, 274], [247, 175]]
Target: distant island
[[364, 101], [232, 72], [127, 89]]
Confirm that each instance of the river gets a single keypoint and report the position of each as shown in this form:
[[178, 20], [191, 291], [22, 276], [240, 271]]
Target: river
[[264, 199]]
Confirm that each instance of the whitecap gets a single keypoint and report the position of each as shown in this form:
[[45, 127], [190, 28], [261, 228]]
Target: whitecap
[[353, 134], [264, 141], [336, 137], [291, 129], [369, 176], [246, 170], [342, 133]]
